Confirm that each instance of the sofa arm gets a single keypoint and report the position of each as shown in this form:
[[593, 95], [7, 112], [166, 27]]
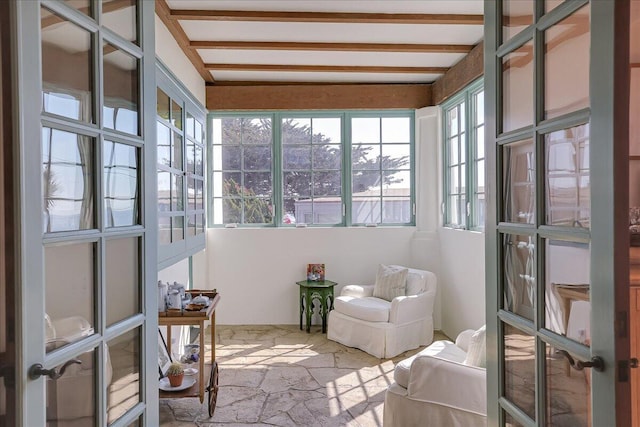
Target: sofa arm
[[357, 291], [408, 308], [445, 382], [464, 338]]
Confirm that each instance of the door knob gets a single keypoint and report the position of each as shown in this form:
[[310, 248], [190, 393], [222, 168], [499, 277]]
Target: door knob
[[596, 362], [37, 370], [633, 362]]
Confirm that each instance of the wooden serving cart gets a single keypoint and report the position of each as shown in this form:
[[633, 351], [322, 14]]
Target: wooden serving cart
[[196, 318]]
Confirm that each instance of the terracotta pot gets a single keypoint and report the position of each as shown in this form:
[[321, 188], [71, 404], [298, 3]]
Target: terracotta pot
[[176, 380]]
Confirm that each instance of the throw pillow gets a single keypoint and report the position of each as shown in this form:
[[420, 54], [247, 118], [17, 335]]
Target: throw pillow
[[391, 282], [477, 352]]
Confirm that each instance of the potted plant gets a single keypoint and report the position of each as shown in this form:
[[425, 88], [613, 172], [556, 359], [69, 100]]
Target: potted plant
[[175, 373]]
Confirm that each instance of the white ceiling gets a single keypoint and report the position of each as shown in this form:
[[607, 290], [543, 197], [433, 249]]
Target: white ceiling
[[239, 30]]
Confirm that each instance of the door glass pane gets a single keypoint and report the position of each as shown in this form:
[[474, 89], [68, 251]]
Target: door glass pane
[[176, 114], [566, 65], [519, 274], [177, 193], [120, 17], [520, 369], [121, 89], [177, 228], [568, 186], [123, 391], [71, 399], [517, 88], [509, 421], [164, 230], [163, 103], [67, 70], [69, 293], [121, 184], [191, 225], [568, 392], [164, 191], [516, 16], [567, 296], [122, 280], [83, 6], [549, 5], [176, 151], [519, 182], [68, 182], [163, 135]]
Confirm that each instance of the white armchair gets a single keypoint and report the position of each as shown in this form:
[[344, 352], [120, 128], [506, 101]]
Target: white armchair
[[384, 328], [440, 386]]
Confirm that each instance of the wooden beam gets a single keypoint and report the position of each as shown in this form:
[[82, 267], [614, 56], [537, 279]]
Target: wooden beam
[[327, 68], [464, 72], [327, 17], [164, 13], [351, 47], [222, 97]]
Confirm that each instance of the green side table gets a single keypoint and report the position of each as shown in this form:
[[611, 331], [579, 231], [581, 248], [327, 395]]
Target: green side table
[[322, 291]]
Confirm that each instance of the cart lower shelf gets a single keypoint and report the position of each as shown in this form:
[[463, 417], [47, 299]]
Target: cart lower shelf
[[211, 373]]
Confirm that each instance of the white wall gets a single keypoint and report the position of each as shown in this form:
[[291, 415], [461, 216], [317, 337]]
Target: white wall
[[168, 51]]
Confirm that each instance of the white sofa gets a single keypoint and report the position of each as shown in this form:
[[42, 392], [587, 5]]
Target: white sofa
[[437, 387], [383, 328]]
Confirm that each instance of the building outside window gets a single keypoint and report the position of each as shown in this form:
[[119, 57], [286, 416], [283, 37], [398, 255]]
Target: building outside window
[[464, 180], [325, 168]]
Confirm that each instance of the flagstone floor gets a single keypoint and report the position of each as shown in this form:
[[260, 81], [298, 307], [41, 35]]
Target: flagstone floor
[[282, 376]]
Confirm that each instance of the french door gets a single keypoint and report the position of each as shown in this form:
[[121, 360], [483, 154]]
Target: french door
[[86, 99], [556, 91]]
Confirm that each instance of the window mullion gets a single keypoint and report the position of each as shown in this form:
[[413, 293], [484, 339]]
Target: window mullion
[[276, 170]]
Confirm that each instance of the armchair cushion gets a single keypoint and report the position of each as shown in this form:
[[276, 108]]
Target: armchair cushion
[[391, 282], [441, 349], [476, 353], [368, 309]]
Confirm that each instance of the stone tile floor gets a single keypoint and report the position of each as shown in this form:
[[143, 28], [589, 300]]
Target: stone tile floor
[[282, 376]]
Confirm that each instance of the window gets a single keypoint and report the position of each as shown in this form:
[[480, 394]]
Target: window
[[325, 168], [464, 204]]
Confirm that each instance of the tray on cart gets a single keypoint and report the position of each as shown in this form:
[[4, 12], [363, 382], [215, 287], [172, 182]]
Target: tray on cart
[[171, 312]]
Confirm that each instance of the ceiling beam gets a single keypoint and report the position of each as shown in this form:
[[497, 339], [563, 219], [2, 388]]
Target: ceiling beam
[[351, 47], [327, 68], [327, 17], [164, 13]]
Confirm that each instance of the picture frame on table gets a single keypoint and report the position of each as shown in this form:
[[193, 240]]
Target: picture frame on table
[[315, 272], [164, 358]]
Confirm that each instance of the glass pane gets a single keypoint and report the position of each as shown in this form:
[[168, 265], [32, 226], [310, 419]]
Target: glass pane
[[232, 183], [517, 88], [232, 211], [67, 179], [258, 157], [122, 278], [67, 70], [454, 180], [327, 184], [366, 210], [365, 130], [365, 183], [121, 88], [164, 191], [199, 194], [191, 193], [327, 157], [327, 131], [397, 183], [73, 396], [480, 149], [509, 421], [454, 151], [202, 222], [164, 230], [566, 86], [396, 210], [121, 184], [296, 184], [176, 114], [519, 274], [479, 105], [480, 176], [190, 126], [83, 6], [396, 129], [191, 225], [452, 120], [176, 151], [296, 131], [190, 157], [520, 369], [567, 282], [231, 157], [396, 156], [549, 5], [163, 102], [123, 392], [163, 144], [69, 275], [199, 161], [365, 157], [326, 210], [177, 194], [120, 17], [257, 211], [516, 16], [256, 131], [568, 393], [480, 209], [177, 228], [519, 182], [457, 211], [199, 131], [295, 157], [568, 188], [257, 184]]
